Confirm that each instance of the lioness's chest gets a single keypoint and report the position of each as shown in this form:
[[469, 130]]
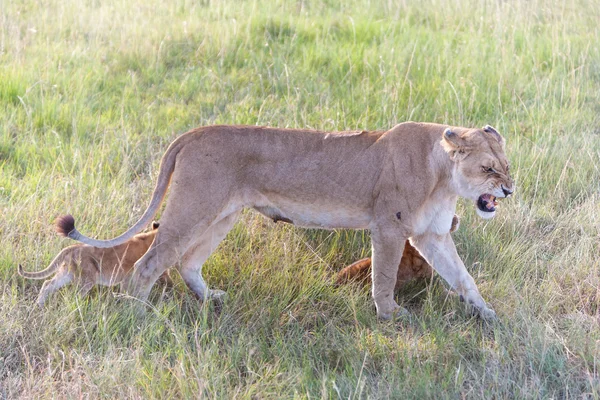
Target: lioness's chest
[[434, 216]]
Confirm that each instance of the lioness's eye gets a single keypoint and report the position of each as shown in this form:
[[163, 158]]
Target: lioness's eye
[[489, 170]]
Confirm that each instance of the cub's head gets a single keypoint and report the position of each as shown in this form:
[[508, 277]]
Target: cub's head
[[481, 170]]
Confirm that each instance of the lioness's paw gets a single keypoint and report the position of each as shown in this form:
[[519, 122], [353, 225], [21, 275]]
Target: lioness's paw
[[485, 313], [488, 314], [218, 296], [139, 309], [397, 311]]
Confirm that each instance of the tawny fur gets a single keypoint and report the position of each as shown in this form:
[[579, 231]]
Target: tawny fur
[[400, 184], [412, 266], [88, 266]]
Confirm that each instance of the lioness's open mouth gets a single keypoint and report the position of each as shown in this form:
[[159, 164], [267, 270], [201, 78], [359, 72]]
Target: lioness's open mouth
[[487, 203]]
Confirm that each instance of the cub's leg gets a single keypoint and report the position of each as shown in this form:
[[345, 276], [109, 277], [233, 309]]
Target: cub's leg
[[440, 252], [194, 258], [388, 246], [86, 274], [165, 279], [62, 278]]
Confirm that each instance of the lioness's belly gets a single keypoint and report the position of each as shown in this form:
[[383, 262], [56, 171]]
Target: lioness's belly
[[313, 216]]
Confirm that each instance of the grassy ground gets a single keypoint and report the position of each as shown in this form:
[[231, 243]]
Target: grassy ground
[[92, 92]]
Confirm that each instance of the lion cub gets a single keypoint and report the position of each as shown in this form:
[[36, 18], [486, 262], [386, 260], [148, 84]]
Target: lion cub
[[88, 265], [412, 265]]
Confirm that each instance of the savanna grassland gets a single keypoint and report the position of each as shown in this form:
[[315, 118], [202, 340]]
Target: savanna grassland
[[92, 92]]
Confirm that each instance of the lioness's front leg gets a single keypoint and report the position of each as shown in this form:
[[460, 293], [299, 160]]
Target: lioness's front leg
[[387, 250], [440, 252]]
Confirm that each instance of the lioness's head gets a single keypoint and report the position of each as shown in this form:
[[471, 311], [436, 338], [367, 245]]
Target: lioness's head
[[481, 170]]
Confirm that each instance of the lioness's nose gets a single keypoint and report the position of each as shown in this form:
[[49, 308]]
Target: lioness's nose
[[507, 192]]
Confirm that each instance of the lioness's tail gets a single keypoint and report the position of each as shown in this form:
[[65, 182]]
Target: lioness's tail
[[50, 269], [65, 225]]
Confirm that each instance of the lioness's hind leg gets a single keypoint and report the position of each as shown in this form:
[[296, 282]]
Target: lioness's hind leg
[[85, 288], [185, 218], [165, 251], [151, 266], [194, 258], [62, 278]]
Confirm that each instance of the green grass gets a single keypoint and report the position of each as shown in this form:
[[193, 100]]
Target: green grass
[[92, 92]]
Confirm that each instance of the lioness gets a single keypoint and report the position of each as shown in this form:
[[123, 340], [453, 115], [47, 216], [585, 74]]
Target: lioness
[[412, 265], [401, 184], [88, 265]]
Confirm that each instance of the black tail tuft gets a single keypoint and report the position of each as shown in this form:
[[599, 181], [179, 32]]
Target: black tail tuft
[[65, 224], [20, 270]]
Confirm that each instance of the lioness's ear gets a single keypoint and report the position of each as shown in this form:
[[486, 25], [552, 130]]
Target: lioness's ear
[[155, 224], [454, 145], [492, 131]]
